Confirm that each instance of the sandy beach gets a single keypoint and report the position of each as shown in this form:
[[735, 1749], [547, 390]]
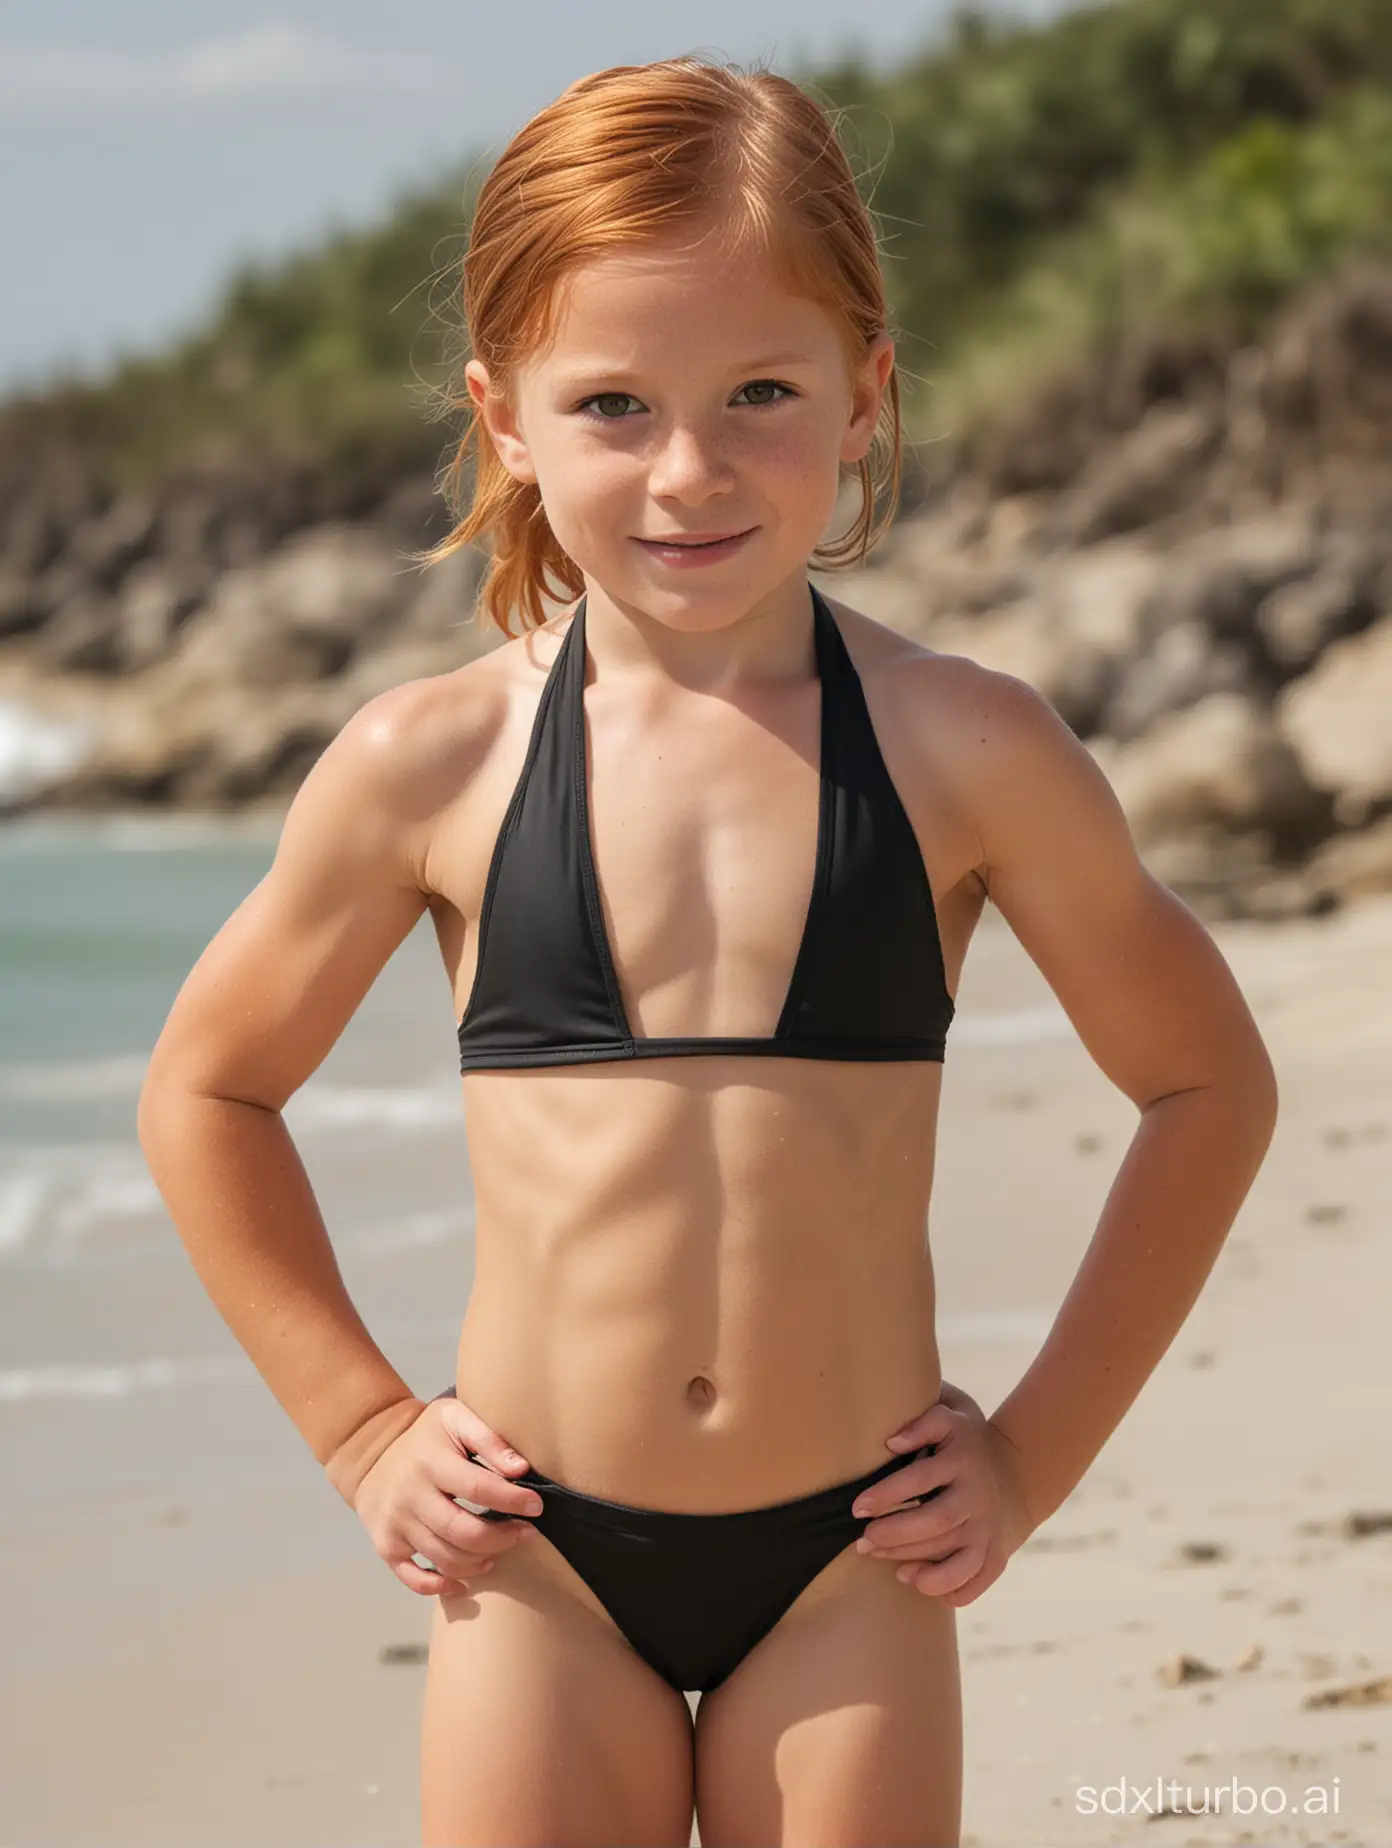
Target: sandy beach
[[202, 1649]]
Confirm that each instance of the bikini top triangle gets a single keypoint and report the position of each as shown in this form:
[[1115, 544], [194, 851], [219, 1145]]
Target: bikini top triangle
[[867, 982]]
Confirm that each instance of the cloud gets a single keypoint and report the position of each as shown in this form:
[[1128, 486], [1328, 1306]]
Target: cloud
[[266, 62]]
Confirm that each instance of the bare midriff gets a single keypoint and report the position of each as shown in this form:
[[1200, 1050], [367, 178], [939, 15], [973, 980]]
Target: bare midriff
[[702, 1283]]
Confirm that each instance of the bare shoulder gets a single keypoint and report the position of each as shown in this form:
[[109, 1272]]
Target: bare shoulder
[[997, 740], [903, 663], [409, 755], [414, 743], [1141, 979], [926, 706], [349, 880]]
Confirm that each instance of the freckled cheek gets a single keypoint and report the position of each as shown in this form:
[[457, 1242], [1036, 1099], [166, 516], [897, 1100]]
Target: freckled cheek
[[589, 496], [605, 508]]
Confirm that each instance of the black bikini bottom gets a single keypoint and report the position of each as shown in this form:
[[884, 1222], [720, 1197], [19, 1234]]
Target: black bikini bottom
[[693, 1593]]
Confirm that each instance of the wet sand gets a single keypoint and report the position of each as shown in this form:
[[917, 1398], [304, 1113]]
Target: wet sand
[[228, 1662]]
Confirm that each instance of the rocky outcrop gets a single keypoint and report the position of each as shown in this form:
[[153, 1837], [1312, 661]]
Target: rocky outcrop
[[1187, 550]]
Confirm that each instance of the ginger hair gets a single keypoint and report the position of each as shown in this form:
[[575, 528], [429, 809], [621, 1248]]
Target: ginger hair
[[628, 155]]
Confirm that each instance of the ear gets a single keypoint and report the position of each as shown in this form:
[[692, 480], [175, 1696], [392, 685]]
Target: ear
[[499, 418], [872, 381]]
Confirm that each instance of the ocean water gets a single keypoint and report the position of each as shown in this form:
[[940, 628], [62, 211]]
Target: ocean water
[[100, 921]]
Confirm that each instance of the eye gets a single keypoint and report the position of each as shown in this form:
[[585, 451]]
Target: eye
[[599, 398], [620, 396], [787, 391]]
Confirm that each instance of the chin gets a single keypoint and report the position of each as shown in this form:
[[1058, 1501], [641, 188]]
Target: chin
[[677, 608]]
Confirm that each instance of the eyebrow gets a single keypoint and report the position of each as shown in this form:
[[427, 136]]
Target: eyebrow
[[582, 374]]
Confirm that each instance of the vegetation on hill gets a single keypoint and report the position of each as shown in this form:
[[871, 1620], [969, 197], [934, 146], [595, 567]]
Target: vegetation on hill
[[1133, 165]]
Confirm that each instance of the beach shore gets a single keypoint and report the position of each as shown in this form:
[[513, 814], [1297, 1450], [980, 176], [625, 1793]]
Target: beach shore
[[222, 1659]]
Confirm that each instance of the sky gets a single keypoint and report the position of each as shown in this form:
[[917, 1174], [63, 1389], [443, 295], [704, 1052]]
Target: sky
[[148, 148]]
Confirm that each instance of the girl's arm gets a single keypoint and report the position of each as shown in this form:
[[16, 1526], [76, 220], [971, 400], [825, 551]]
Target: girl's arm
[[256, 1016], [1158, 1009]]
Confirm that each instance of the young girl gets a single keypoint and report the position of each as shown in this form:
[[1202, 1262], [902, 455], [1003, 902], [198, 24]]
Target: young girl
[[703, 854]]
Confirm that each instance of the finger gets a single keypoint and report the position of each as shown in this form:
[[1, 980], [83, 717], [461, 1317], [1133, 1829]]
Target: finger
[[919, 1542], [469, 1432], [972, 1590], [457, 1567], [431, 1553], [884, 1508], [474, 1533], [483, 1492], [458, 1558], [934, 1426], [923, 1476], [949, 1573], [945, 1509], [427, 1584]]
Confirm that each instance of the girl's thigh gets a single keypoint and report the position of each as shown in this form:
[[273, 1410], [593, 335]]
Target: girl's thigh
[[541, 1725], [843, 1726]]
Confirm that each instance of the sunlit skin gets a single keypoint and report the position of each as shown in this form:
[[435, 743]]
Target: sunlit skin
[[701, 1284], [677, 400], [651, 415]]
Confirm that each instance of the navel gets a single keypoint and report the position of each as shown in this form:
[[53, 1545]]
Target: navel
[[700, 1392]]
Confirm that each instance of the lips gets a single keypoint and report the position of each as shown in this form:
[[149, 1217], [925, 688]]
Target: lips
[[692, 554]]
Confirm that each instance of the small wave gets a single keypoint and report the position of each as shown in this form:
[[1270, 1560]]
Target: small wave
[[347, 1106], [54, 1198], [73, 1080], [22, 1198], [1021, 1026], [171, 833], [138, 831], [118, 1380], [36, 748], [442, 1228], [319, 1105], [63, 1193]]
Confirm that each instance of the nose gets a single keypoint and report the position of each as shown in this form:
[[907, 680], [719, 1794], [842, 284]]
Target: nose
[[689, 465]]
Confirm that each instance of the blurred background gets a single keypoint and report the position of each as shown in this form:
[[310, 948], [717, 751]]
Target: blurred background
[[1141, 254]]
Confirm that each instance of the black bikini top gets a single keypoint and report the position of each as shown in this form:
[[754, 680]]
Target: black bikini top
[[868, 980]]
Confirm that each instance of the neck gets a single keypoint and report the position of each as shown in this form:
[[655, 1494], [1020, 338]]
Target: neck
[[770, 641]]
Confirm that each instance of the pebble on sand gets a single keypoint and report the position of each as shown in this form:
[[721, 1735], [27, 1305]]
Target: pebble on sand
[[1362, 1522], [1181, 1668], [404, 1652], [1326, 1213], [1376, 1693], [1201, 1552]]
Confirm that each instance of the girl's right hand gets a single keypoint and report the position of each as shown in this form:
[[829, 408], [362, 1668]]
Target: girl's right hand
[[404, 1500]]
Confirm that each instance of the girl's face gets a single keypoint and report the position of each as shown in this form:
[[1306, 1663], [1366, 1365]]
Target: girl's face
[[686, 394]]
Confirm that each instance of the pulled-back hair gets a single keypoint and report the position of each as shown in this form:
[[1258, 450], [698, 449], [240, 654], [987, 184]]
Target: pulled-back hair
[[628, 155]]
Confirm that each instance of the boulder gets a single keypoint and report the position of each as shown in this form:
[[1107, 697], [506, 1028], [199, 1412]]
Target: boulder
[[1354, 864], [1180, 667], [1338, 721], [1349, 588], [1220, 763], [105, 548], [1219, 578], [82, 636], [157, 598], [1139, 479], [298, 616], [1197, 630], [441, 598], [21, 610]]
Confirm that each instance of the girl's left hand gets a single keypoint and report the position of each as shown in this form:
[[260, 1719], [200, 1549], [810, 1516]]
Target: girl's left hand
[[956, 1545]]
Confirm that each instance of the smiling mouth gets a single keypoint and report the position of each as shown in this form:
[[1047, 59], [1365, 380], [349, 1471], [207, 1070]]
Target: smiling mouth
[[697, 545]]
